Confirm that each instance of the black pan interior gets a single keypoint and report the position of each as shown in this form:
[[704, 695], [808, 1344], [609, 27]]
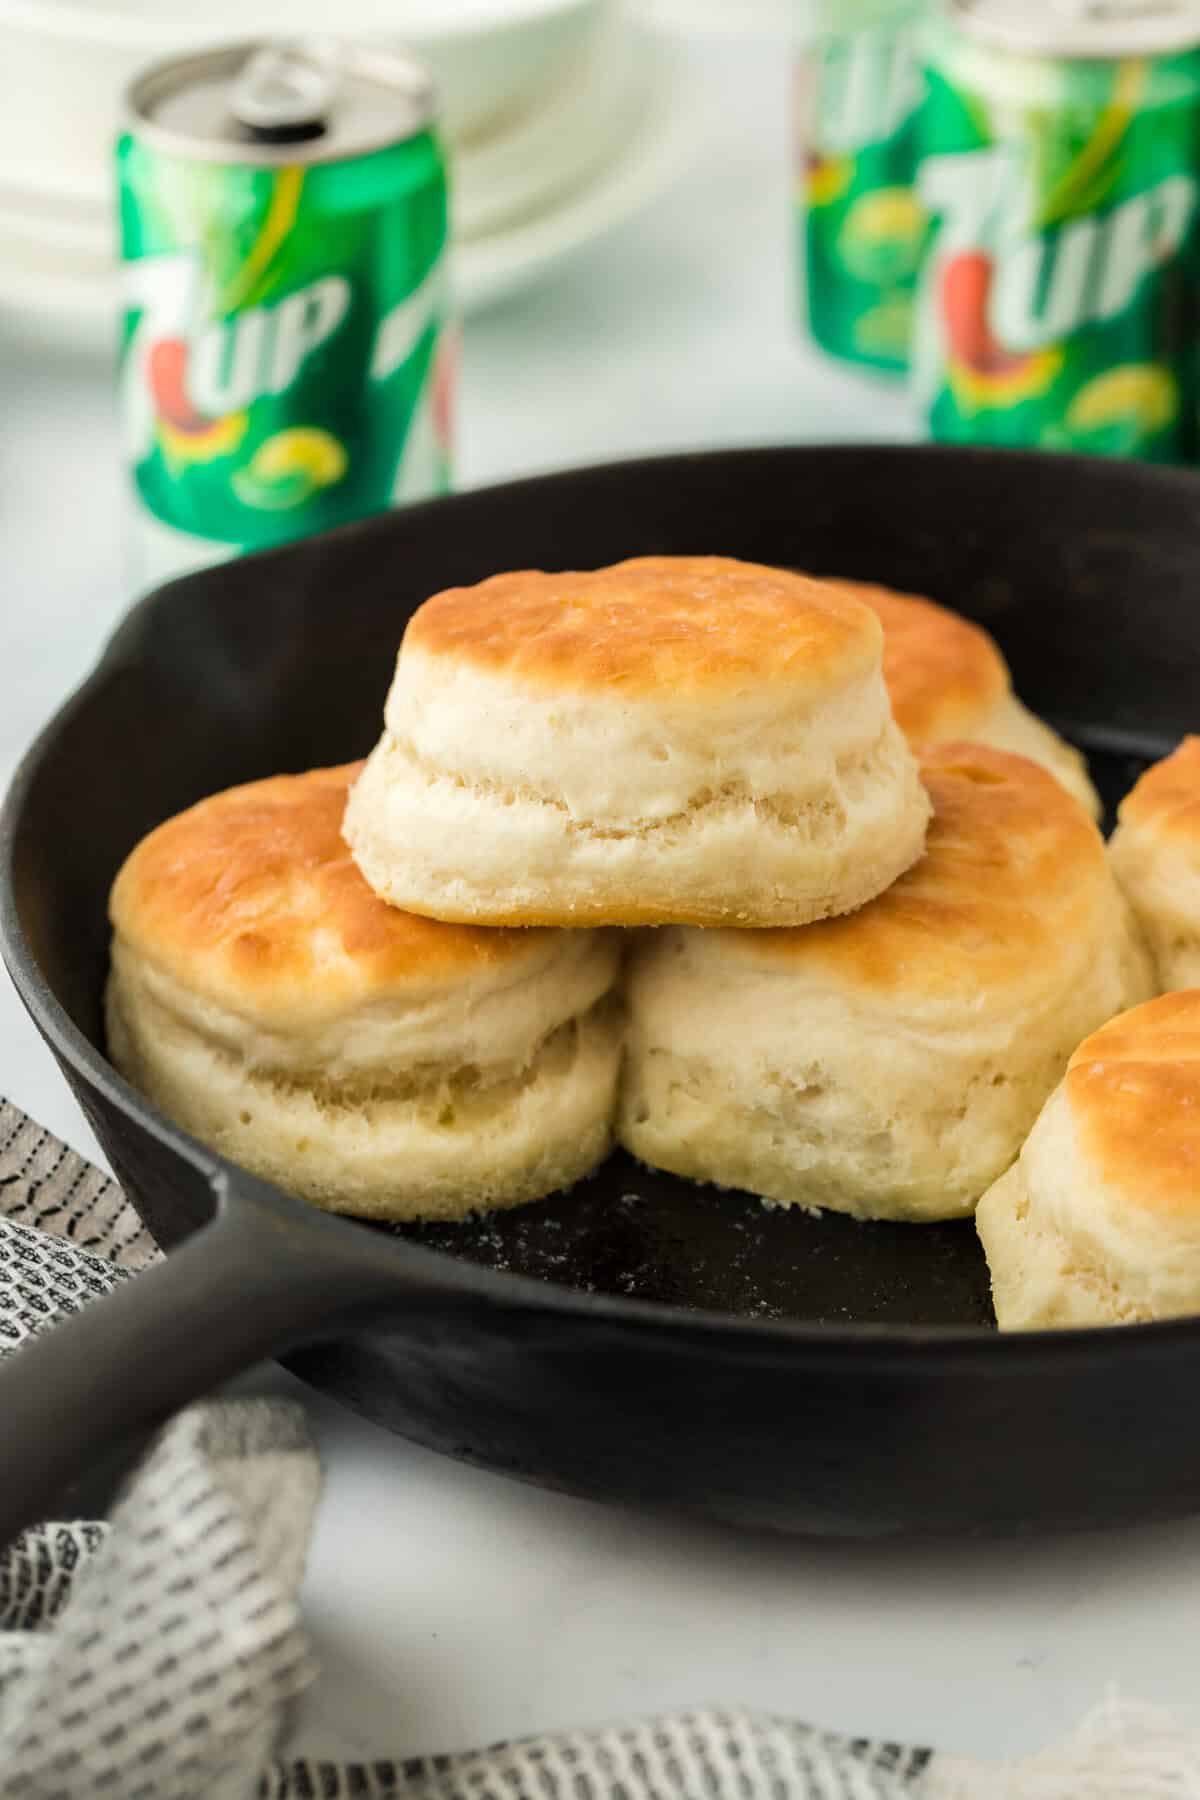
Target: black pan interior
[[1085, 573]]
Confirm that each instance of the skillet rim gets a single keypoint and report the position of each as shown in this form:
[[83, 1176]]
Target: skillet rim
[[981, 1347]]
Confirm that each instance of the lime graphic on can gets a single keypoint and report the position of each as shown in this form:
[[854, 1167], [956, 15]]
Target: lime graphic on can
[[290, 468], [287, 356], [861, 227], [1059, 173], [880, 239]]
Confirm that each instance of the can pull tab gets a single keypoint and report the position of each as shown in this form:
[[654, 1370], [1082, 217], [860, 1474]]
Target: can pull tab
[[283, 94]]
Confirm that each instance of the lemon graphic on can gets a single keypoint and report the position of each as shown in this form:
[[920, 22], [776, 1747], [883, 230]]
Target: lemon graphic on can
[[826, 179], [290, 467], [881, 237], [1125, 405]]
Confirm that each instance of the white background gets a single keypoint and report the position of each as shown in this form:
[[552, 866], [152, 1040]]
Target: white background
[[450, 1607]]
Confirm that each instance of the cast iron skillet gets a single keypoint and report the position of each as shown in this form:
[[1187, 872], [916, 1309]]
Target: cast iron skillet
[[639, 1338]]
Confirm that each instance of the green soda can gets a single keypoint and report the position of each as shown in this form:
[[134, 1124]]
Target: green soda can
[[1060, 158], [859, 224], [287, 358]]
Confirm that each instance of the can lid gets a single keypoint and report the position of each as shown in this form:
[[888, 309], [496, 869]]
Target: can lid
[[255, 102], [1081, 28]]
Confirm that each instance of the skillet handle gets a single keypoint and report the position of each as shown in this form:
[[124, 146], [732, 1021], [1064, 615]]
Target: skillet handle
[[249, 1285]]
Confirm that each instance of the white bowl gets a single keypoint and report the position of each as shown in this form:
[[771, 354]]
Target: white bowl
[[489, 70], [787, 19], [556, 147], [65, 64]]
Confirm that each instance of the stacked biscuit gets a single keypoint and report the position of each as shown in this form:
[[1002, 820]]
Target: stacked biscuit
[[374, 1061], [772, 877], [1098, 1220]]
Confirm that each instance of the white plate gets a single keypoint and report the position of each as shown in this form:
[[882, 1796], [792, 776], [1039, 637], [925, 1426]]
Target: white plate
[[561, 142], [82, 230], [670, 135], [61, 295]]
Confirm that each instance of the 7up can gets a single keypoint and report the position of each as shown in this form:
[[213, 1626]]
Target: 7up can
[[287, 359], [860, 226], [1060, 167]]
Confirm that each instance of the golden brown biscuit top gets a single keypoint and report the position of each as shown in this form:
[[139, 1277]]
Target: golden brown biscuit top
[[654, 623], [251, 899], [1134, 1092], [944, 674], [1010, 875], [1166, 800]]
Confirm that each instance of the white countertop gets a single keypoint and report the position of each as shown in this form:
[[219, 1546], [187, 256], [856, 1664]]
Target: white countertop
[[451, 1607]]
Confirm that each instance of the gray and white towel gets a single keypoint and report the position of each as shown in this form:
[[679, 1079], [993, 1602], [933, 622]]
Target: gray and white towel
[[155, 1657]]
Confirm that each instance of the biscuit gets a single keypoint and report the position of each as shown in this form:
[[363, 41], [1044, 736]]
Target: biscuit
[[889, 1064], [1155, 852], [373, 1062], [949, 681], [685, 739], [1098, 1221]]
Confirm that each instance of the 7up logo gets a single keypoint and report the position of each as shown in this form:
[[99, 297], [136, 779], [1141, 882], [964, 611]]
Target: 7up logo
[[261, 350], [867, 87], [994, 290], [190, 373]]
